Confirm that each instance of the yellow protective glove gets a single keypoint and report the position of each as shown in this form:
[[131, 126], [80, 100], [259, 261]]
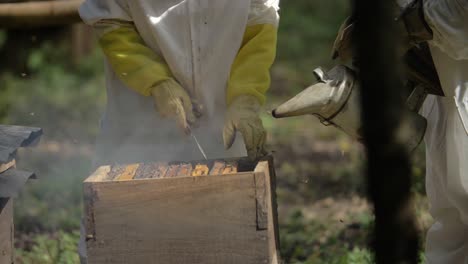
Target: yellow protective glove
[[250, 73], [172, 101], [243, 116], [137, 65], [144, 71]]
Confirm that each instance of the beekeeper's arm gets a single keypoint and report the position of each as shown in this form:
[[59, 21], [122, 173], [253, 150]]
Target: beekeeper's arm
[[448, 20], [138, 66], [250, 78]]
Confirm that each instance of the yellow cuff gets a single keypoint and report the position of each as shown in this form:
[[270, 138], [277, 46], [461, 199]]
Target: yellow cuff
[[139, 67], [250, 72]]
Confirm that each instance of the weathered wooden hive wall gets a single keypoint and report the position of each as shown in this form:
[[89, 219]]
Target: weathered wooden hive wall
[[12, 181], [6, 224], [190, 212]]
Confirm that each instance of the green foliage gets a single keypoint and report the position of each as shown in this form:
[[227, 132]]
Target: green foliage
[[65, 101], [306, 34], [2, 38], [54, 201], [422, 258], [418, 170], [314, 242], [60, 248], [308, 29], [358, 256]]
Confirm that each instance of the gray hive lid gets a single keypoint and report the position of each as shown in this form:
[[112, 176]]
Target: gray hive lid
[[12, 181], [14, 137]]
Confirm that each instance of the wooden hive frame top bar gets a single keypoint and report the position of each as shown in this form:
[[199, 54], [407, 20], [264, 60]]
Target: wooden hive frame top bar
[[156, 170]]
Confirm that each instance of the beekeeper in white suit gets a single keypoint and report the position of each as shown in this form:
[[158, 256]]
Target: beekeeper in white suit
[[447, 137], [183, 66], [443, 24], [175, 65]]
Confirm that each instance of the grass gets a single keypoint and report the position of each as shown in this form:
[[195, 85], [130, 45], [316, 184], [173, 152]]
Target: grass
[[57, 248]]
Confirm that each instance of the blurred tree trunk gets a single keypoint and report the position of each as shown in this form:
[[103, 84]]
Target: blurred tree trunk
[[39, 13], [81, 41], [388, 170]]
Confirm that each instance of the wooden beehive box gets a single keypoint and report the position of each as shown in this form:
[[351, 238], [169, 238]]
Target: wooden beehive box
[[6, 222], [12, 181], [190, 212]]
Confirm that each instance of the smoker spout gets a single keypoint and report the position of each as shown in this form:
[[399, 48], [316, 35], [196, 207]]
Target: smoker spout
[[311, 100]]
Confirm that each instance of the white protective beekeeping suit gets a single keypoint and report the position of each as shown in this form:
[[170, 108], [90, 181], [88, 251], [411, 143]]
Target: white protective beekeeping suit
[[199, 40], [446, 137]]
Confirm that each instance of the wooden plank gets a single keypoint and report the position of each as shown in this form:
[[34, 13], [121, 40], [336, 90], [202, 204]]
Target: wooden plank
[[128, 173], [185, 169], [90, 196], [19, 136], [261, 200], [230, 168], [6, 166], [116, 171], [172, 171], [6, 232], [200, 170], [39, 14], [151, 170], [7, 153], [162, 170], [13, 137], [101, 174], [266, 167], [176, 221], [217, 168], [12, 181]]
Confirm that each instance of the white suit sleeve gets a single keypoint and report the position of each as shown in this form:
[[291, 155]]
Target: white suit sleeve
[[250, 70], [92, 11], [448, 20], [136, 65], [264, 12]]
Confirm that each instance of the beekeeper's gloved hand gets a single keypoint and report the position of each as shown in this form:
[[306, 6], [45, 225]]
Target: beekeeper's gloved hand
[[172, 101], [248, 83], [243, 116], [145, 71]]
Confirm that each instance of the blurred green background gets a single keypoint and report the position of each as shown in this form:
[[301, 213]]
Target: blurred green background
[[324, 214]]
